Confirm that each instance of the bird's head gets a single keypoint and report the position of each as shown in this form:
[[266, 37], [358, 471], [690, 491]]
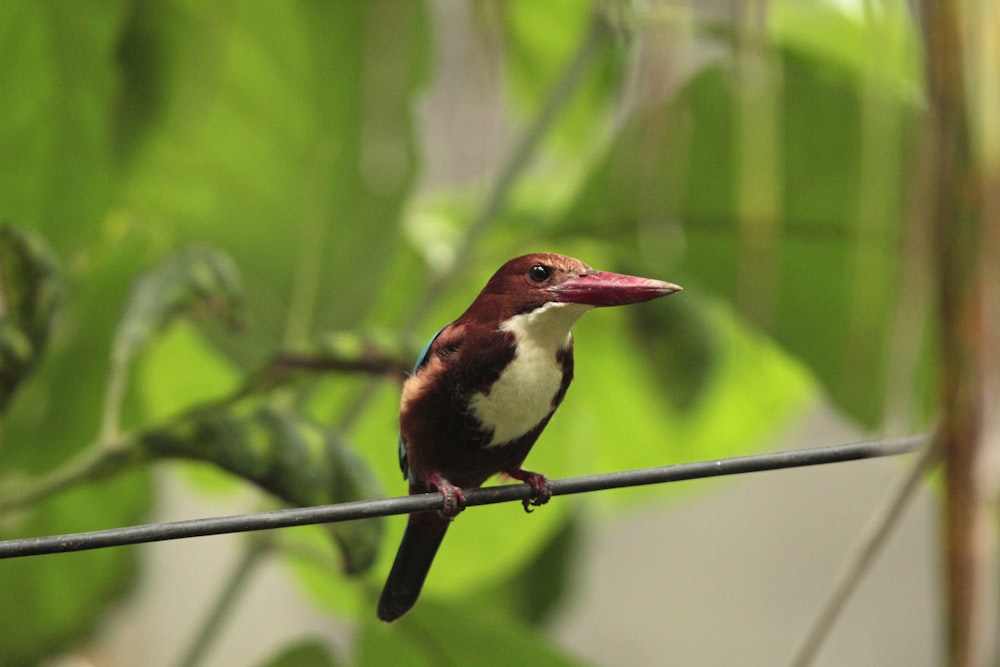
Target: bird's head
[[531, 281]]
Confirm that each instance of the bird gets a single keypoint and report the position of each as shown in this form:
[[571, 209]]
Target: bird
[[484, 388]]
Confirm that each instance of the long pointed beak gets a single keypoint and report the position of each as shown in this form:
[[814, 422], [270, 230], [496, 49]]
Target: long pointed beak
[[600, 288]]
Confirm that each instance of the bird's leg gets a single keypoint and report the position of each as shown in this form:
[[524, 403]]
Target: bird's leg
[[454, 499], [541, 490]]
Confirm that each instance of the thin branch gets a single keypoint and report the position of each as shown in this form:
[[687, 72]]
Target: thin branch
[[114, 397], [105, 458], [251, 557], [861, 557], [369, 364], [963, 238], [428, 502], [96, 462]]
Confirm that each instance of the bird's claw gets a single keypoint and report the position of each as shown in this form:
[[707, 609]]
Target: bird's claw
[[454, 499], [541, 489], [454, 502]]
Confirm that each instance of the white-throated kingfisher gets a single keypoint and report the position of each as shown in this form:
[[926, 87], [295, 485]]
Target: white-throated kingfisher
[[485, 387]]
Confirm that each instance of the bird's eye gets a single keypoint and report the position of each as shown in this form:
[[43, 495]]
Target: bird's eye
[[539, 272]]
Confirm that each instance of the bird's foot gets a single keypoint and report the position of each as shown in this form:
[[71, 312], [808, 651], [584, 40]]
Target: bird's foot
[[541, 489], [454, 499]]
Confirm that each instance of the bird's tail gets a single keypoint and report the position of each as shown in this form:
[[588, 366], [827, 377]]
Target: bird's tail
[[424, 532]]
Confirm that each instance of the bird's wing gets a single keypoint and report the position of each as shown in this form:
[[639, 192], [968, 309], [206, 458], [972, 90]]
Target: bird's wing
[[404, 465]]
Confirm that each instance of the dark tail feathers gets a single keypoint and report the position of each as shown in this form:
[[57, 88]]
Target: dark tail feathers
[[421, 540]]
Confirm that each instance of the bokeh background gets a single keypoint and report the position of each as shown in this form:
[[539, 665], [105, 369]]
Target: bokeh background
[[191, 191]]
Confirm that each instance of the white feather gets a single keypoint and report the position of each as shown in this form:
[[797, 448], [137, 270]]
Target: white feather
[[523, 394]]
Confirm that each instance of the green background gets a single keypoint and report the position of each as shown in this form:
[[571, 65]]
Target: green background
[[209, 184]]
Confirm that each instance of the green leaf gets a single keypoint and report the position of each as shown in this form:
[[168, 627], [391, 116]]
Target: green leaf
[[811, 256], [315, 561], [435, 633], [50, 602], [286, 139], [535, 592], [304, 653], [29, 292], [681, 342], [63, 404], [616, 416], [541, 38], [285, 454], [57, 176], [164, 379], [57, 165], [56, 600], [882, 45], [187, 282]]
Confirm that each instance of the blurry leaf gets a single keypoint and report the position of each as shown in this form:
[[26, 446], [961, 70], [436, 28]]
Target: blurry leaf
[[147, 47], [57, 175], [29, 291], [315, 562], [351, 479], [287, 140], [166, 388], [288, 456], [164, 379], [187, 282], [822, 278], [616, 416], [535, 592], [304, 653], [62, 406], [56, 119], [681, 343], [884, 45], [51, 602], [435, 633], [540, 39]]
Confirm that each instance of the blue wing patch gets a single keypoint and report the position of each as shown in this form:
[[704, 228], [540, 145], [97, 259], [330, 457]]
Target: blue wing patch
[[421, 361]]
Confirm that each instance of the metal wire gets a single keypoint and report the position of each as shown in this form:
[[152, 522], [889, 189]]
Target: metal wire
[[365, 509]]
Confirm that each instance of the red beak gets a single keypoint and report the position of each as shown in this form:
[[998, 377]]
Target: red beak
[[600, 288]]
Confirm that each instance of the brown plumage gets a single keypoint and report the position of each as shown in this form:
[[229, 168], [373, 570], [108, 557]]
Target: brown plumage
[[485, 389]]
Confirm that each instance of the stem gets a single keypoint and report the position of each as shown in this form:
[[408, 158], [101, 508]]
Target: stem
[[963, 269], [255, 550], [95, 463], [861, 557], [114, 394]]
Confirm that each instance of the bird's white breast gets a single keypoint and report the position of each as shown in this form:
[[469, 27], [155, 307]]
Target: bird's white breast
[[522, 395]]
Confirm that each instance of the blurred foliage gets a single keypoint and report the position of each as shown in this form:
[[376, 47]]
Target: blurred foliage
[[817, 267], [28, 298], [306, 653], [284, 453], [258, 161], [449, 634]]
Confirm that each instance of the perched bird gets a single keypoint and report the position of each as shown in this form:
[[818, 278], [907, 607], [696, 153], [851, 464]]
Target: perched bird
[[485, 387]]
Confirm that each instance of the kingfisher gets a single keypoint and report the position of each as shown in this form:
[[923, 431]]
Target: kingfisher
[[484, 388]]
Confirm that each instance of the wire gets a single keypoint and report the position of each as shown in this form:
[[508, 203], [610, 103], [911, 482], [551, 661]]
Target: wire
[[426, 502]]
